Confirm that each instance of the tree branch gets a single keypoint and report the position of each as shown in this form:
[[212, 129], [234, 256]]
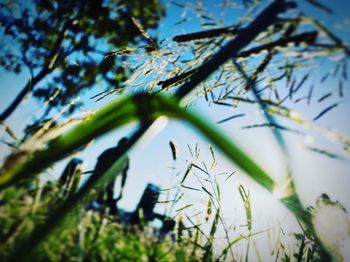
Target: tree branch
[[47, 68]]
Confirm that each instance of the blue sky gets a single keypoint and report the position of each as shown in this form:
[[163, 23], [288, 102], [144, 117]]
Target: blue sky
[[151, 160]]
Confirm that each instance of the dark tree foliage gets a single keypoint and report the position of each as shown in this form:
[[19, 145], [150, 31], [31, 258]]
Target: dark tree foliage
[[64, 43]]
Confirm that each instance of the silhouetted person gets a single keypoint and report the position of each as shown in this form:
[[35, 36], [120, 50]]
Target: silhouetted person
[[144, 210], [70, 178], [104, 162], [168, 224]]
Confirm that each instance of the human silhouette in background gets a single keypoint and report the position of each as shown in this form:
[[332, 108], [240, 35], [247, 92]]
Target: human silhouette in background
[[106, 203], [70, 177], [104, 162], [145, 211]]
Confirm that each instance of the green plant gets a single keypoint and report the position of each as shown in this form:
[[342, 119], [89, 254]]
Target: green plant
[[146, 109]]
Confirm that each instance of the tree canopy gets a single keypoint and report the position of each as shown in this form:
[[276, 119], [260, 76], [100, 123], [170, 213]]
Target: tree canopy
[[63, 44]]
